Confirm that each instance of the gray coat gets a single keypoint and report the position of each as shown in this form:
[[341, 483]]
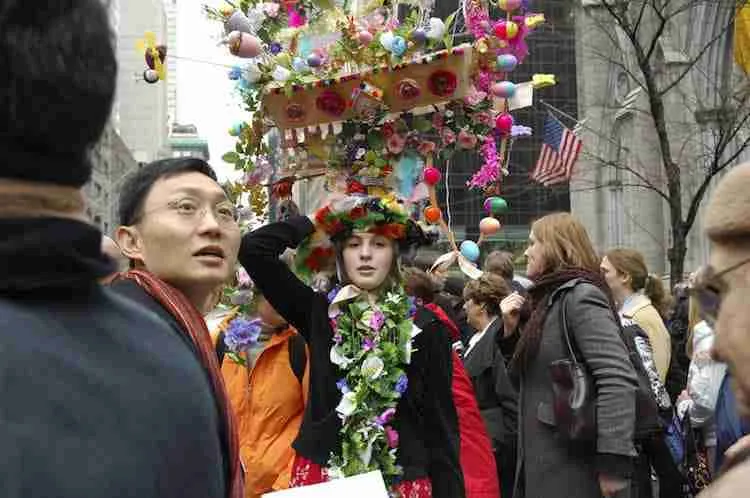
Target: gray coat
[[550, 469]]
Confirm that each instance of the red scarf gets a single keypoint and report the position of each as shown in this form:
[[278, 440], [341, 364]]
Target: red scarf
[[192, 324]]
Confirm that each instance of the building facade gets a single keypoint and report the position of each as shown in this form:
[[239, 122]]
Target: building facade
[[614, 189], [184, 141]]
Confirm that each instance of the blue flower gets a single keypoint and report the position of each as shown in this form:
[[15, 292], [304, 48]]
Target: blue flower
[[235, 73], [242, 334], [275, 48], [412, 306], [343, 386], [332, 294], [402, 384]]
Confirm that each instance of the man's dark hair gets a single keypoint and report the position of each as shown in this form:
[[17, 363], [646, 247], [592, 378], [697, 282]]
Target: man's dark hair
[[138, 186], [59, 72]]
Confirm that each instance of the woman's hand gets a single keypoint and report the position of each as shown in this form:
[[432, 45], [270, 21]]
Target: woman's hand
[[684, 396], [510, 307], [611, 485]]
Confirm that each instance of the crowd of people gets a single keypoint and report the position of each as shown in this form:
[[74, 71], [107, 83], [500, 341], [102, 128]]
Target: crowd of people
[[125, 372]]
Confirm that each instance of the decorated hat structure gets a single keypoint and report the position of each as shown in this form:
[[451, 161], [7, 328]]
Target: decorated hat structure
[[370, 94]]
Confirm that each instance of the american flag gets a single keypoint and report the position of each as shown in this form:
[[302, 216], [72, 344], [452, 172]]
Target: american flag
[[559, 153]]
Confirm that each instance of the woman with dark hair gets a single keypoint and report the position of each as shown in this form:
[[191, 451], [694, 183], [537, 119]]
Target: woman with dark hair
[[497, 398], [568, 285], [640, 297], [380, 369]]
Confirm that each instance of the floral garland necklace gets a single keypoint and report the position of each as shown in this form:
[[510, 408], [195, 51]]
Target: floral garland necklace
[[372, 346]]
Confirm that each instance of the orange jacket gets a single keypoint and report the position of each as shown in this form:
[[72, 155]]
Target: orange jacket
[[269, 402]]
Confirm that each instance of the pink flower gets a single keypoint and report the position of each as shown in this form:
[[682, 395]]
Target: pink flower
[[483, 81], [396, 144], [447, 136], [466, 139], [438, 121], [243, 279], [392, 436], [271, 9], [484, 118], [475, 96], [377, 320], [426, 148]]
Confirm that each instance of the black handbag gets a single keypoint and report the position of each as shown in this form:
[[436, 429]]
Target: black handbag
[[573, 392]]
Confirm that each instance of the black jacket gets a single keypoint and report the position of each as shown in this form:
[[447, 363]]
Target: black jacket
[[496, 396], [426, 416], [99, 397]]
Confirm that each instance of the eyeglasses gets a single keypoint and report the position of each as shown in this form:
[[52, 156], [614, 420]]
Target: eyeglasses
[[192, 211], [708, 289]]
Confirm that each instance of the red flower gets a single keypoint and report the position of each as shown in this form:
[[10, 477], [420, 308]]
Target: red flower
[[283, 188], [388, 129], [316, 259], [357, 213], [354, 187], [331, 103], [321, 215], [393, 231], [442, 83]]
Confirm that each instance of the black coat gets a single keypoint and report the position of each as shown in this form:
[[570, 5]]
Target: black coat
[[99, 397], [496, 396], [426, 416]]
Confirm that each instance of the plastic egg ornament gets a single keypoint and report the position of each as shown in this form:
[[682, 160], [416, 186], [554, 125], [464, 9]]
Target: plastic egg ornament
[[506, 30], [495, 205], [386, 40], [419, 35], [437, 29], [236, 129], [314, 60], [150, 76], [432, 214], [398, 46], [506, 62], [244, 45], [504, 123], [470, 250], [504, 89], [489, 226], [299, 65], [364, 37], [280, 73], [509, 5], [432, 176]]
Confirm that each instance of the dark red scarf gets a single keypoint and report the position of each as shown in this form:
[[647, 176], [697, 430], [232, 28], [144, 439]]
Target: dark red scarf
[[192, 324], [531, 335]]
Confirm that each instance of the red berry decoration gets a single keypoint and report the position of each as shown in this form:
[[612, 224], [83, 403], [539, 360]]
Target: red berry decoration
[[504, 123], [432, 214], [432, 176]]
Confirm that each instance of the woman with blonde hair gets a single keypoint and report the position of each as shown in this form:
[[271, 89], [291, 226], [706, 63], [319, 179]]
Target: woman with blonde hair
[[570, 296], [640, 297]]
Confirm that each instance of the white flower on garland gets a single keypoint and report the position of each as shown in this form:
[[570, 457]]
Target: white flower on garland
[[393, 298], [347, 405], [372, 367], [338, 358]]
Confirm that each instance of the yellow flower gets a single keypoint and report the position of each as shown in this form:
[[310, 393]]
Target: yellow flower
[[543, 80]]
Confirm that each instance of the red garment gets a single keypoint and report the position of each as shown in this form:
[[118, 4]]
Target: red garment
[[477, 457], [307, 473], [194, 326]]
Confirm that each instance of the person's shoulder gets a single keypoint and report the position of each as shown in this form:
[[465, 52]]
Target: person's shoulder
[[732, 484]]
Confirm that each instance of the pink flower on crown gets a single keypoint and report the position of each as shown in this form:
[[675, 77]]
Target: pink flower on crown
[[475, 96], [426, 148], [466, 139], [484, 118], [396, 144], [438, 121], [447, 136]]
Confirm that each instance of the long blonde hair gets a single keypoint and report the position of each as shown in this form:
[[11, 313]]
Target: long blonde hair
[[565, 243]]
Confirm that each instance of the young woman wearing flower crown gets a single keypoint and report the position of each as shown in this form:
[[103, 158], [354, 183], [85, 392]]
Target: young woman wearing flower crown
[[380, 385]]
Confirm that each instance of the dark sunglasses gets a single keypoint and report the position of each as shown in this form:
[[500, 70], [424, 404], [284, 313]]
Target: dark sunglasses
[[708, 291]]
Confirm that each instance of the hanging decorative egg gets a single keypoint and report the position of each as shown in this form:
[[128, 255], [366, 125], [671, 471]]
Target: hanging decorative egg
[[470, 250], [386, 40], [509, 5], [489, 226], [364, 37], [280, 73], [244, 45], [506, 30], [432, 214], [495, 205], [437, 29], [419, 35], [398, 46], [235, 73], [150, 76], [314, 60], [504, 123], [299, 65], [432, 176], [504, 89], [236, 129], [506, 62]]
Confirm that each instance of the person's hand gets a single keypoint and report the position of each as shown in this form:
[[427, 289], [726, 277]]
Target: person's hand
[[736, 453], [510, 307], [611, 485], [684, 396]]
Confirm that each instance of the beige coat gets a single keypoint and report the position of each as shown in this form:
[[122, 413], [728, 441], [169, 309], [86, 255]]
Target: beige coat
[[733, 484], [639, 308]]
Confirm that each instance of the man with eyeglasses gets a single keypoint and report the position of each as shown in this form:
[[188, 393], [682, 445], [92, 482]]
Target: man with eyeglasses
[[722, 292], [180, 232]]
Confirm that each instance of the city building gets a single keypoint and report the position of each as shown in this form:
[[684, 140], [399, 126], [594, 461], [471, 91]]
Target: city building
[[112, 163], [184, 141], [141, 109], [172, 63], [612, 187]]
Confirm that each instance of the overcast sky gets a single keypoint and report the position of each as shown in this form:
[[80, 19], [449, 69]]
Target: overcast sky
[[205, 95]]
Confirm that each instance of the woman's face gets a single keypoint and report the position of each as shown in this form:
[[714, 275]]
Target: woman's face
[[368, 259], [475, 314], [617, 283], [534, 257]]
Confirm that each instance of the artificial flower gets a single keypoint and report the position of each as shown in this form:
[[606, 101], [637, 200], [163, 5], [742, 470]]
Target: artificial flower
[[402, 384], [438, 121], [517, 131], [343, 386], [392, 435], [475, 96], [385, 417], [372, 367], [243, 279], [251, 72], [377, 320], [271, 9], [388, 129], [347, 405], [338, 358], [466, 139], [330, 102], [442, 83], [426, 148], [447, 136], [484, 118], [368, 344], [395, 144], [242, 334]]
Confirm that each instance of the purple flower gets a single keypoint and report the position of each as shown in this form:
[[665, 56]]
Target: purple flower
[[332, 294], [368, 344], [337, 337], [242, 334], [275, 48], [392, 436], [343, 386], [385, 417], [412, 306], [377, 320], [402, 384], [520, 131]]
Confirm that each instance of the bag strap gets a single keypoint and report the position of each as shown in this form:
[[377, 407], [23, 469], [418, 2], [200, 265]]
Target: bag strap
[[297, 356], [565, 331]]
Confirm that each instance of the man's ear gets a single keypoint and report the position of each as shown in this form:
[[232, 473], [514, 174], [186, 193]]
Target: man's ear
[[130, 242]]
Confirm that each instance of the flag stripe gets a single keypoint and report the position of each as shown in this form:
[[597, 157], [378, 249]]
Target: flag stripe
[[558, 155]]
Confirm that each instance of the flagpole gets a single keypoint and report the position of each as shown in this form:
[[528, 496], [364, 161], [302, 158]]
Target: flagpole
[[579, 124]]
